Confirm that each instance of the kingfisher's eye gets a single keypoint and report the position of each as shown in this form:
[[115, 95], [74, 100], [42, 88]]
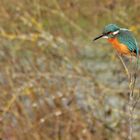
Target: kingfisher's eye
[[109, 33]]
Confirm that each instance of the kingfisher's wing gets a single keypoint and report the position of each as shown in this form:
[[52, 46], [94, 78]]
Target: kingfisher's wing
[[126, 37]]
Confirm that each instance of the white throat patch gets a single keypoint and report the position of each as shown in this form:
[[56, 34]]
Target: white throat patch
[[116, 32], [105, 37]]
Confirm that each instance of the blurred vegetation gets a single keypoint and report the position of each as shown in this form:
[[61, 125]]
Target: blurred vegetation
[[55, 83]]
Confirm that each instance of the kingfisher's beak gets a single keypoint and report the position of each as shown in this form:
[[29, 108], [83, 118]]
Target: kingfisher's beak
[[102, 35]]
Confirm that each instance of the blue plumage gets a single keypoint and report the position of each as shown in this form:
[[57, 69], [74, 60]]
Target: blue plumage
[[125, 37]]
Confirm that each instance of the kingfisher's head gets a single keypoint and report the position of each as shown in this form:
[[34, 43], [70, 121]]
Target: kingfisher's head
[[110, 31]]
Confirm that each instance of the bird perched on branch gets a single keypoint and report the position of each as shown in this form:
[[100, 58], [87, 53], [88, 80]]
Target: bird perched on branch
[[122, 40]]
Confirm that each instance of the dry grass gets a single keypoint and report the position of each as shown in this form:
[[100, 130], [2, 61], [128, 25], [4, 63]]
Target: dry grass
[[54, 83]]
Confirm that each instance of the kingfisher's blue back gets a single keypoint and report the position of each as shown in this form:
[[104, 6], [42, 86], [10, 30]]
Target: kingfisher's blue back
[[125, 37]]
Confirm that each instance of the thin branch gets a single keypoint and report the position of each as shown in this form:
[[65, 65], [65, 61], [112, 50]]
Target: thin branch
[[131, 101], [124, 65]]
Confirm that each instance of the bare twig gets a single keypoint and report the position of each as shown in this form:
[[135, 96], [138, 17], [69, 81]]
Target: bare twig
[[131, 102], [124, 65]]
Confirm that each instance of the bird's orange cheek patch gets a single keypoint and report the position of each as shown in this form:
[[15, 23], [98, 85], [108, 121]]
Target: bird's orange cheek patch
[[121, 48]]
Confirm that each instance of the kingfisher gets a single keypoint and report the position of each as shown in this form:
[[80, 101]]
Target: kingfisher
[[122, 40]]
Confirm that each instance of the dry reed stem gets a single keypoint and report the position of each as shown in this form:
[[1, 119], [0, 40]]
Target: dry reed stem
[[131, 101]]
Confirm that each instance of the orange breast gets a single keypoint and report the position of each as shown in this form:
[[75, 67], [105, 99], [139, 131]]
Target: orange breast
[[121, 48]]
